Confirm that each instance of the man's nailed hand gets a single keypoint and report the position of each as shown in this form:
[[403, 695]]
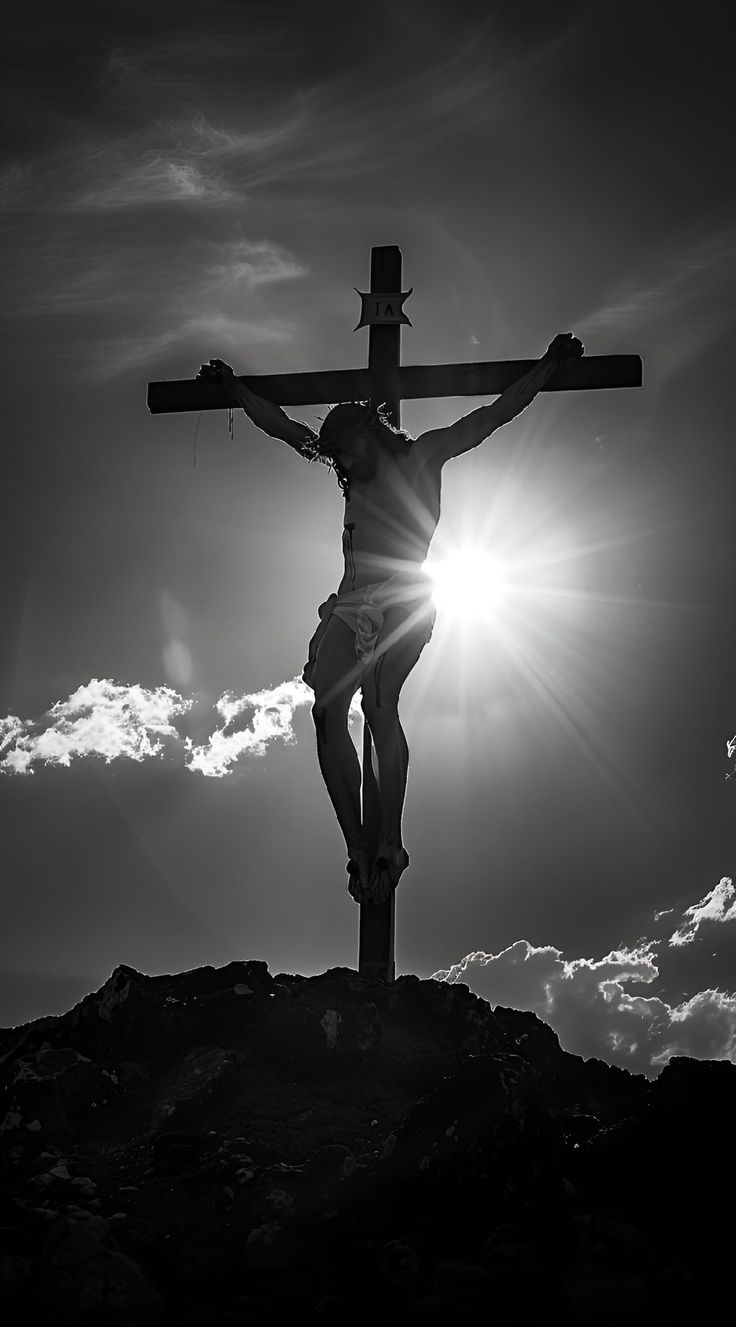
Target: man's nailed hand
[[565, 347], [216, 371]]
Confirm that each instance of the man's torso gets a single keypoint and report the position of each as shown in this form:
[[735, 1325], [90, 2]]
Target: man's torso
[[390, 517]]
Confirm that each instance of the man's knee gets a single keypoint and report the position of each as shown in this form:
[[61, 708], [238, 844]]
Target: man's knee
[[382, 707], [327, 714]]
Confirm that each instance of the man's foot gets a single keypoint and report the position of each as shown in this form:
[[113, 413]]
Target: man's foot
[[392, 860], [358, 873]]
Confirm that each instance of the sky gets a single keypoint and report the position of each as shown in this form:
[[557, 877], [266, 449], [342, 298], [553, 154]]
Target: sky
[[187, 181]]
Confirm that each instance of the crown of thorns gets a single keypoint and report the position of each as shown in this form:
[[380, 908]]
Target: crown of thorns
[[362, 413]]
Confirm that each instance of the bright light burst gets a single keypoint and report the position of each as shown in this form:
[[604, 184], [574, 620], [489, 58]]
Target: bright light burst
[[521, 582], [469, 583]]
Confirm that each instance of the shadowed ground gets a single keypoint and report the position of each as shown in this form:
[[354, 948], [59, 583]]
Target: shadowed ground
[[219, 1144]]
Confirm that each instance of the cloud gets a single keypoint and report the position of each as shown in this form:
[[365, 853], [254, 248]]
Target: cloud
[[151, 69], [717, 906], [100, 718], [273, 713], [189, 115], [588, 1004], [124, 307], [110, 720], [255, 262], [105, 278], [588, 1001], [157, 179], [220, 333], [685, 301], [123, 191], [15, 187], [215, 140]]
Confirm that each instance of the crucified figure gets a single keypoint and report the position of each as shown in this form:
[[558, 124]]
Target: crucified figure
[[374, 627]]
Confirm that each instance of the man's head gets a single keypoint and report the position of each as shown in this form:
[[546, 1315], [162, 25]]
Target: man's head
[[352, 432]]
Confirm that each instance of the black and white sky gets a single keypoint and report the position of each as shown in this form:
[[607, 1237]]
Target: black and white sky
[[183, 181]]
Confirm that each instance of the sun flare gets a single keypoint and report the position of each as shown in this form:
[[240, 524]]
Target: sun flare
[[469, 583]]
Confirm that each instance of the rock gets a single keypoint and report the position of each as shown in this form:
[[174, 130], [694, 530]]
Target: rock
[[84, 1276], [332, 1162], [186, 1088], [14, 1271], [401, 1271], [200, 1257], [599, 1294], [263, 1146], [462, 1278], [54, 1088], [262, 1245], [60, 1172], [573, 1087], [174, 1151]]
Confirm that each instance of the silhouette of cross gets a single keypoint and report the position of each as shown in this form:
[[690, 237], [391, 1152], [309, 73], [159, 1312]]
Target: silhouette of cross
[[387, 382]]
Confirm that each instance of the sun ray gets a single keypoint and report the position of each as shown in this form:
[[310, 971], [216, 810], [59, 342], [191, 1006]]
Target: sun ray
[[515, 591]]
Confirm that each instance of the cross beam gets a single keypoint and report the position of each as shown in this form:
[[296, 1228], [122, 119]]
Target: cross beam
[[387, 382], [414, 382]]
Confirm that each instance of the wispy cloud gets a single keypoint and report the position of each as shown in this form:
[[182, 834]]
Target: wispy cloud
[[218, 332], [254, 263], [109, 720], [118, 208], [587, 1002], [686, 300], [151, 70], [144, 305], [157, 180], [272, 131], [219, 271], [15, 187], [191, 117]]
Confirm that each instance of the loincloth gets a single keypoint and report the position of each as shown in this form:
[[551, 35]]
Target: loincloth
[[364, 610]]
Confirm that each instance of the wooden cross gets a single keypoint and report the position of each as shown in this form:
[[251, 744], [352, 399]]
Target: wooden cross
[[387, 382]]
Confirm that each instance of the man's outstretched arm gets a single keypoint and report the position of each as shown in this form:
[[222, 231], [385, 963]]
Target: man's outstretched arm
[[267, 416], [472, 429]]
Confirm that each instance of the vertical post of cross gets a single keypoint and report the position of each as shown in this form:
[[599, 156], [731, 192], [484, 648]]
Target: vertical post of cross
[[377, 921], [386, 382]]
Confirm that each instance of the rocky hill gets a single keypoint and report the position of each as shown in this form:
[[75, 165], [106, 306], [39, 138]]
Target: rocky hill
[[220, 1144]]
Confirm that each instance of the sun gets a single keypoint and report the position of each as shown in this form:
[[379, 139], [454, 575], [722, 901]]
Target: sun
[[469, 583]]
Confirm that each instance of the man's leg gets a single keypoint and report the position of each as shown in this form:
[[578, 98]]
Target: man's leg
[[380, 704], [334, 679], [392, 756]]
